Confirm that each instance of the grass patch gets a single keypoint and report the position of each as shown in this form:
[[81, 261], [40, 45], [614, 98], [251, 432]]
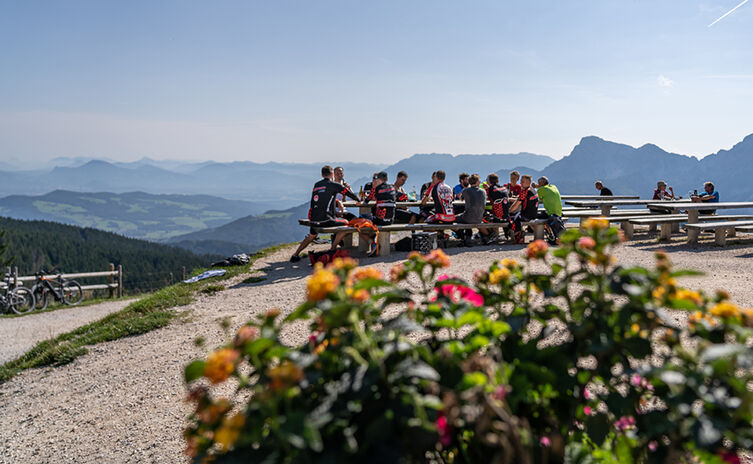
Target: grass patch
[[212, 289], [149, 313], [57, 305]]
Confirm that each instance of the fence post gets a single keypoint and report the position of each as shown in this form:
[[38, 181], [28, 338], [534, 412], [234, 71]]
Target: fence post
[[171, 278], [15, 276], [112, 280], [120, 281], [184, 273]]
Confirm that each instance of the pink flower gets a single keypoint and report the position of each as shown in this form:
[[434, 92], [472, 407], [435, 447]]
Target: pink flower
[[465, 293], [624, 423], [587, 410], [587, 243], [729, 456], [445, 438], [652, 446], [587, 394], [471, 296], [545, 442], [500, 393]]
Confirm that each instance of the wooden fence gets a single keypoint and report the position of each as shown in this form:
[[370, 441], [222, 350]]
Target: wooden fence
[[114, 284]]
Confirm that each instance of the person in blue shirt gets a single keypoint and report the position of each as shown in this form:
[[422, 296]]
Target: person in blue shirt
[[710, 196], [463, 183]]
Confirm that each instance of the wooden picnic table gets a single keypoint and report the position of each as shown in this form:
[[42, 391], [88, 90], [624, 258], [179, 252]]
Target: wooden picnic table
[[599, 197], [694, 209]]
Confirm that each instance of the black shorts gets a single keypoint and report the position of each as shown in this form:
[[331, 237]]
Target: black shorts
[[402, 216], [337, 222]]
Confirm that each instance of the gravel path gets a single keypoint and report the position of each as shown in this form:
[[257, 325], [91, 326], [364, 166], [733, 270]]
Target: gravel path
[[19, 334], [123, 402]]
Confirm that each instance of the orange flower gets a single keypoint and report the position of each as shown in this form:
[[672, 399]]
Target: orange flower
[[272, 313], [748, 313], [397, 273], [321, 283], [221, 364], [227, 434], [438, 258], [363, 273], [537, 249], [214, 411], [499, 275], [596, 223], [245, 334], [284, 375], [509, 263], [360, 295]]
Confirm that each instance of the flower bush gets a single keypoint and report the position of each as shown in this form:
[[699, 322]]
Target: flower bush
[[564, 356]]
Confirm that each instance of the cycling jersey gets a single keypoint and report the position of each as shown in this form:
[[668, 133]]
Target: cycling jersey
[[384, 195], [529, 204], [499, 199], [400, 194], [322, 207], [442, 196], [513, 190]]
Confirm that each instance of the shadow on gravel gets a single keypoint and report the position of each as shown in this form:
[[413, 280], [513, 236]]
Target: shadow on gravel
[[706, 244]]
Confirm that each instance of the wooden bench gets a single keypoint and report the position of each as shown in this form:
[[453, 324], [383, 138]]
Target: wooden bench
[[386, 231], [670, 222], [722, 230]]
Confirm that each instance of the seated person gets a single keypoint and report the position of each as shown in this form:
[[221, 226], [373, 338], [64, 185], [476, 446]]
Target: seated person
[[383, 213], [402, 214], [322, 210], [442, 196], [603, 191], [710, 196], [524, 208], [475, 206], [549, 195], [340, 197], [500, 212], [513, 187], [462, 184], [661, 191], [426, 211]]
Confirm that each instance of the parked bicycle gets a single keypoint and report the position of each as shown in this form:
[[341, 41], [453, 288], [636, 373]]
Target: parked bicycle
[[20, 300], [66, 291]]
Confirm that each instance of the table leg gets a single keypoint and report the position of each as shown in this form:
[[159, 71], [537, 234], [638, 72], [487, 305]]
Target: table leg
[[628, 229], [384, 243], [348, 241], [731, 232], [538, 231], [693, 219], [666, 231]]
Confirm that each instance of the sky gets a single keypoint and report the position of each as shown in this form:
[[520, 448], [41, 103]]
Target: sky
[[371, 81]]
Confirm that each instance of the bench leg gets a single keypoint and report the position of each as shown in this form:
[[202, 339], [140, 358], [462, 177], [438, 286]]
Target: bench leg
[[652, 228], [538, 231], [362, 245], [731, 232], [628, 229], [720, 237], [348, 241], [384, 243], [675, 227], [666, 231]]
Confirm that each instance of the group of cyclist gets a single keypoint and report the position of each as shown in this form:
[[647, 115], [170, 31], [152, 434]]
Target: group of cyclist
[[513, 203]]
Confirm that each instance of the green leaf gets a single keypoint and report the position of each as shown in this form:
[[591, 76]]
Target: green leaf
[[194, 371], [471, 317], [370, 283], [257, 346], [301, 312], [473, 379]]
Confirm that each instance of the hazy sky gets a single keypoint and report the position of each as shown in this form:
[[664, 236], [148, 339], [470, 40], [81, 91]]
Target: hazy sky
[[369, 80]]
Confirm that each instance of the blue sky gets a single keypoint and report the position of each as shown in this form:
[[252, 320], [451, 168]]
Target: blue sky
[[336, 80]]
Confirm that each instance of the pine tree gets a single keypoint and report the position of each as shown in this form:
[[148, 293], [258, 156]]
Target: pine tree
[[3, 248]]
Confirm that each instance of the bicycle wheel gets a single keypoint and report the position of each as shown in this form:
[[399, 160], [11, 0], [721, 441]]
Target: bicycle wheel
[[21, 300], [72, 294], [40, 297]]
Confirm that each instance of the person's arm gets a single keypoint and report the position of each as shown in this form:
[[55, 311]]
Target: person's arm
[[349, 193]]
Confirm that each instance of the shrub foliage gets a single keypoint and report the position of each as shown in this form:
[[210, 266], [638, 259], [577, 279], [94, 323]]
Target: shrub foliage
[[565, 356]]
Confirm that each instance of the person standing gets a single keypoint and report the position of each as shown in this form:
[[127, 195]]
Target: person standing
[[322, 210], [603, 191]]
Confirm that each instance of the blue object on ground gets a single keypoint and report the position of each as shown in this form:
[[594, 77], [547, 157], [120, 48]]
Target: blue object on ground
[[206, 275]]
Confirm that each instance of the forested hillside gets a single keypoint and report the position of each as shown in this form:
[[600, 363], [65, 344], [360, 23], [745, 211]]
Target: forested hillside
[[35, 245]]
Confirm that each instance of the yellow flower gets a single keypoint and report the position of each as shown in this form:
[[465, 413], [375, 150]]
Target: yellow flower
[[227, 434], [321, 283], [689, 295], [358, 295], [635, 328], [367, 273], [284, 375], [596, 223], [220, 365], [343, 264], [659, 293], [509, 263], [499, 275], [725, 309], [748, 313]]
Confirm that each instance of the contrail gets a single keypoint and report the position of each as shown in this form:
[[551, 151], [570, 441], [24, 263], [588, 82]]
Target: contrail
[[729, 12]]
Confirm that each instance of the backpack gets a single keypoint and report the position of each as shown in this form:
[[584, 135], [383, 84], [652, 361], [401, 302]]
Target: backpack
[[363, 223], [326, 257]]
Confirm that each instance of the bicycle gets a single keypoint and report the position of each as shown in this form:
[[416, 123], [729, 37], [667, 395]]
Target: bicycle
[[66, 291], [20, 300]]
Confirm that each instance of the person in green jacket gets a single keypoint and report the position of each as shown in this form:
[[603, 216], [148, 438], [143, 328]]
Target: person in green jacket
[[549, 195]]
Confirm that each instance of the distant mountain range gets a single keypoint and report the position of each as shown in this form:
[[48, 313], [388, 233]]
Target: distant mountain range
[[135, 214], [282, 183]]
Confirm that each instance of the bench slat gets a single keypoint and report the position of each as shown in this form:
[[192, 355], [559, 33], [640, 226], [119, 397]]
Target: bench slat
[[683, 218], [719, 225]]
